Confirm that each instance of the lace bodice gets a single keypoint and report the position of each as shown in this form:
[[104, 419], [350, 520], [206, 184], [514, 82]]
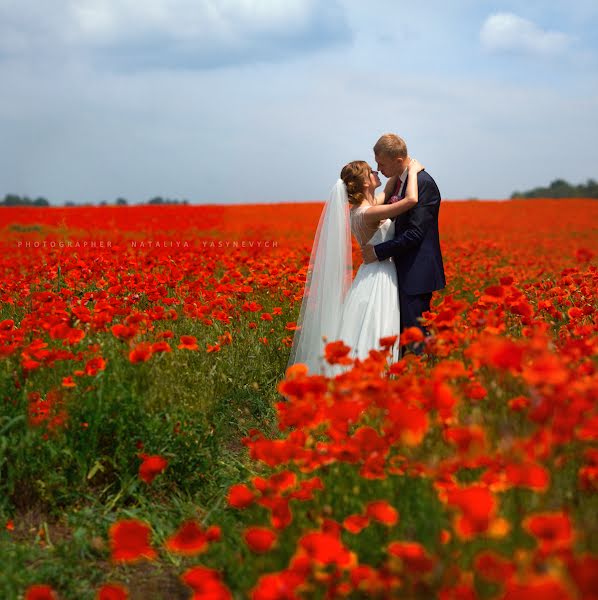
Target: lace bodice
[[366, 234]]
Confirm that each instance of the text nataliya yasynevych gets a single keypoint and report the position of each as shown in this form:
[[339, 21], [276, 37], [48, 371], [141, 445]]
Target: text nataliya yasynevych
[[204, 244]]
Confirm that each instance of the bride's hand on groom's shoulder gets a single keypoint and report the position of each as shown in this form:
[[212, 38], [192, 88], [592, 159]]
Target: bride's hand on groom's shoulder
[[416, 165]]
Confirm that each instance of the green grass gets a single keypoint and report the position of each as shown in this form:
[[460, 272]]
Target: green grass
[[77, 482], [64, 489]]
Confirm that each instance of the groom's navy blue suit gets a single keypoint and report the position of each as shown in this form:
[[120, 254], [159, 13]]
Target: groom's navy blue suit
[[416, 252]]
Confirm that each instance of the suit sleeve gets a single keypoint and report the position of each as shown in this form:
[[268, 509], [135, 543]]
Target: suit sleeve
[[421, 218]]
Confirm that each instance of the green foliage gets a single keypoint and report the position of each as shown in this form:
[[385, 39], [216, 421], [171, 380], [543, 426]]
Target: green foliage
[[560, 188], [15, 200]]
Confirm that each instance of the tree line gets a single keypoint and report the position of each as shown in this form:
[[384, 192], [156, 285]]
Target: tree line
[[560, 188], [16, 200]]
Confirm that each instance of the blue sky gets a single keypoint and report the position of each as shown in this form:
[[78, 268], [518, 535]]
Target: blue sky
[[223, 101]]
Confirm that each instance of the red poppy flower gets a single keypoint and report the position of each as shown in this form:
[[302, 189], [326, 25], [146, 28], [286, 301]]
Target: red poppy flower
[[113, 591], [280, 513], [95, 365], [383, 512], [206, 583], [283, 480], [531, 475], [259, 539], [190, 539], [552, 530], [408, 424], [539, 587], [546, 369], [240, 496], [161, 347], [68, 382], [475, 391], [40, 592], [325, 548], [226, 339], [411, 335], [213, 533], [123, 332], [141, 353], [151, 467], [494, 567], [278, 586], [584, 571], [388, 342], [414, 556], [477, 506], [519, 403], [188, 342], [589, 430], [6, 325], [129, 541], [467, 439], [252, 307], [336, 353], [355, 523]]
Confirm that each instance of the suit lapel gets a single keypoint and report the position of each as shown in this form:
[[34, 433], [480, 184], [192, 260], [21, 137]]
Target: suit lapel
[[400, 220], [405, 186]]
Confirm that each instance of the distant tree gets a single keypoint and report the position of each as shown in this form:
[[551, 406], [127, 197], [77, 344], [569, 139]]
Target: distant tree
[[121, 202], [12, 200], [560, 188], [16, 200], [170, 201], [69, 203], [103, 203]]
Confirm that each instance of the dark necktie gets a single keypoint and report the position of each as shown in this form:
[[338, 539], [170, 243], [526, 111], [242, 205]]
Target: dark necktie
[[396, 196]]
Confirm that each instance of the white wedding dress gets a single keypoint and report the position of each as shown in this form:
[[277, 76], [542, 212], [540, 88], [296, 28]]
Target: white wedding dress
[[371, 308], [337, 307]]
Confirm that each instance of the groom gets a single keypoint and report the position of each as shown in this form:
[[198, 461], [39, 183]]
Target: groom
[[416, 244]]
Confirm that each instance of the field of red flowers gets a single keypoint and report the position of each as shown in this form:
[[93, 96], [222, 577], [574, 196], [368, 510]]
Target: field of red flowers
[[152, 445]]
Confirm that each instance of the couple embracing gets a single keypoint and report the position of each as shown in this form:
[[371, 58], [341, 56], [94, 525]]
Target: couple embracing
[[397, 232]]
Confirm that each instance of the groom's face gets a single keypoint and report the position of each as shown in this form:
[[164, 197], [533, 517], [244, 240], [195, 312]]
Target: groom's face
[[390, 166]]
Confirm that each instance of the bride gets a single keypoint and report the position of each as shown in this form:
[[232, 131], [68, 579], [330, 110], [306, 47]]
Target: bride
[[362, 311]]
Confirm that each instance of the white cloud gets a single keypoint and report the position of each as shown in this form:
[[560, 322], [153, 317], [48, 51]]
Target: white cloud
[[109, 20], [510, 32], [132, 34]]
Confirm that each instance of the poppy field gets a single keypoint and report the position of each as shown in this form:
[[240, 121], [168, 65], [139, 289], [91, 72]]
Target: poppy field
[[154, 446]]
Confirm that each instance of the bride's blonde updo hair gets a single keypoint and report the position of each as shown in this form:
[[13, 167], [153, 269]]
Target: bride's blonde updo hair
[[355, 174]]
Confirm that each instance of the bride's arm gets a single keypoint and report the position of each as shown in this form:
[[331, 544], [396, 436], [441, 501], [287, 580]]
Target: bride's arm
[[382, 197], [377, 213]]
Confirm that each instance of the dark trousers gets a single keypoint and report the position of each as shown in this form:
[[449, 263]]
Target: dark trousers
[[412, 308]]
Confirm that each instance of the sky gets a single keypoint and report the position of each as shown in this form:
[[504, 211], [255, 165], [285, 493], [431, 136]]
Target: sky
[[250, 101]]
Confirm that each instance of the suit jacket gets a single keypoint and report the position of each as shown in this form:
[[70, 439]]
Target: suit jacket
[[416, 244]]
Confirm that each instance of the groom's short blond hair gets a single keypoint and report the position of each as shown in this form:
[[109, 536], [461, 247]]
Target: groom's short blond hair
[[391, 145]]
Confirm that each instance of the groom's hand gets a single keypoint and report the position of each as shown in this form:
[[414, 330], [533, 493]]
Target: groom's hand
[[368, 254]]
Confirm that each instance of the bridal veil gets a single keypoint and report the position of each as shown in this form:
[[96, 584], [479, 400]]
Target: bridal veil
[[329, 277]]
